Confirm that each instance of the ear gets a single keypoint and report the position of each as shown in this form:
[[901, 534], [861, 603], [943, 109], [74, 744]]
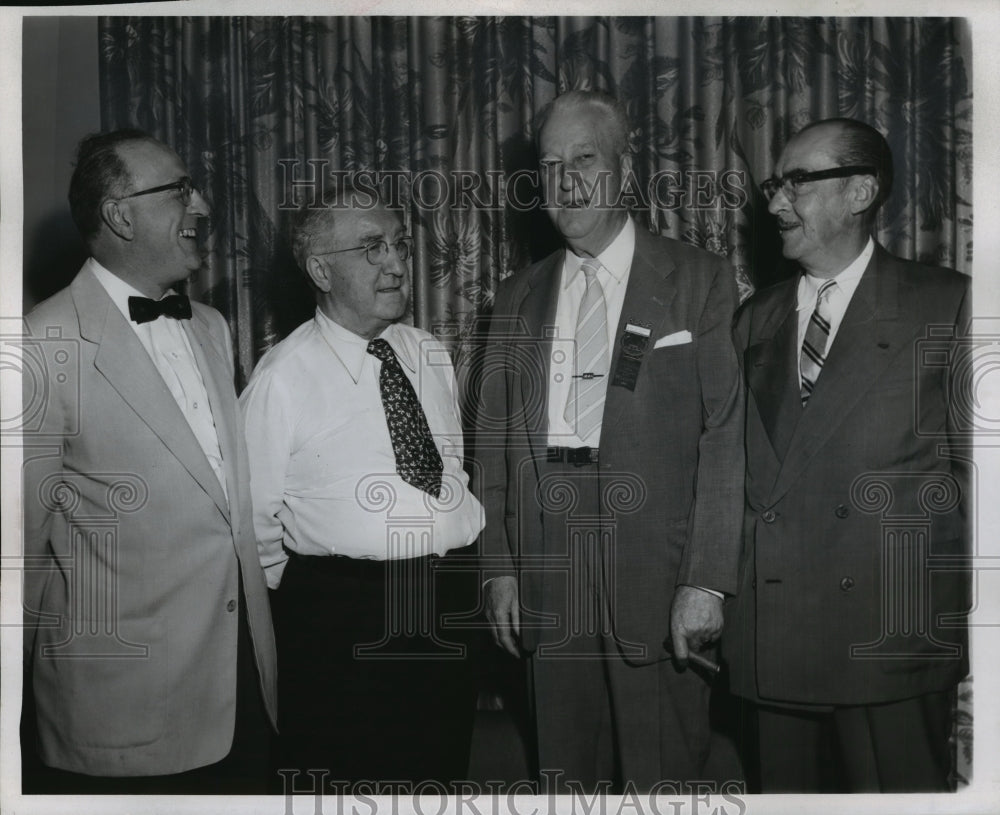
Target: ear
[[318, 273], [117, 219], [863, 194]]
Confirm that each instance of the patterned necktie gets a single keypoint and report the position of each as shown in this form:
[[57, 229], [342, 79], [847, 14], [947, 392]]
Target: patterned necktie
[[591, 365], [143, 310], [418, 461], [814, 345]]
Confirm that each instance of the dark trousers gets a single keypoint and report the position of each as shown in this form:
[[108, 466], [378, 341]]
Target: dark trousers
[[602, 722], [246, 770], [374, 683], [893, 747]]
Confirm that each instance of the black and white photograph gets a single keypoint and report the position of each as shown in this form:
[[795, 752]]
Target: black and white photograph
[[502, 409]]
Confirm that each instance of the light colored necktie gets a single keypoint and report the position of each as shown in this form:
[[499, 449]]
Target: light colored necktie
[[814, 345], [592, 363]]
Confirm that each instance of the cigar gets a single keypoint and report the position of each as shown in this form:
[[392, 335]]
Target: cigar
[[704, 662], [694, 657]]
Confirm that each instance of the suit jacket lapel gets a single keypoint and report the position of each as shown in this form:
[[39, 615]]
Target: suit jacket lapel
[[772, 371], [647, 303], [538, 310], [216, 375], [869, 336], [123, 361]]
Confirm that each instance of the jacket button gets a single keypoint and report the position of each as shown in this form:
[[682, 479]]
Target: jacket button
[[768, 515], [753, 583], [846, 583], [231, 606], [841, 511]]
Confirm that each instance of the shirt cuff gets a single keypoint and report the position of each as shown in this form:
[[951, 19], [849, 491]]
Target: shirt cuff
[[718, 594]]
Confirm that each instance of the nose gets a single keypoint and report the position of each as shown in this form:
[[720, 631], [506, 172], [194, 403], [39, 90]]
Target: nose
[[393, 263], [199, 206], [567, 180], [779, 202]]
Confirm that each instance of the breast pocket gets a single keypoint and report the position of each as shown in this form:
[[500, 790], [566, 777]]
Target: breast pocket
[[673, 366]]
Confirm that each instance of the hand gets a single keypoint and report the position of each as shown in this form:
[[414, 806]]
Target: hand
[[504, 613], [695, 621]]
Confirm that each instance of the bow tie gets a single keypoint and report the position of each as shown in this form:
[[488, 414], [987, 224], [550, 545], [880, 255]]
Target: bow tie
[[144, 310]]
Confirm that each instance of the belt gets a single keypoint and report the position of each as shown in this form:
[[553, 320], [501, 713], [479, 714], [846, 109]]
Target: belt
[[577, 456], [350, 565]]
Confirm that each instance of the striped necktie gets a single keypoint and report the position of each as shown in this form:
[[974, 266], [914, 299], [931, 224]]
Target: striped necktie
[[815, 342], [585, 405]]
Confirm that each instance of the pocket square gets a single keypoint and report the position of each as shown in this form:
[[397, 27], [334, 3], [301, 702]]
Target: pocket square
[[677, 338]]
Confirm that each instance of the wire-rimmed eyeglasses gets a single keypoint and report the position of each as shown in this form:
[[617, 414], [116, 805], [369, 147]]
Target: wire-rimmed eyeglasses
[[789, 183], [183, 185], [377, 251]]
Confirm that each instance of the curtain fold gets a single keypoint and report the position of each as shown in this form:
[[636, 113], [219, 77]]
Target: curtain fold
[[264, 108]]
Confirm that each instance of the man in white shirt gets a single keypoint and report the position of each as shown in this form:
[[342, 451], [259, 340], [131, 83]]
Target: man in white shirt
[[148, 639], [843, 634], [610, 437], [356, 456]]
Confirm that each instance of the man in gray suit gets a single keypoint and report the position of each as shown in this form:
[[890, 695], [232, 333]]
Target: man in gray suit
[[847, 640], [148, 632], [610, 442]]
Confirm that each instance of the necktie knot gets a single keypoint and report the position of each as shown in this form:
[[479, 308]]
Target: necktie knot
[[590, 268], [380, 349], [144, 310], [825, 291]]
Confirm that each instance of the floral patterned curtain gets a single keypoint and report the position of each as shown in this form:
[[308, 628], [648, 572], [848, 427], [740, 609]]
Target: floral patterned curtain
[[259, 107]]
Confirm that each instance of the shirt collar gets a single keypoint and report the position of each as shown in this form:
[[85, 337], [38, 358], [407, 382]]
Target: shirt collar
[[118, 290], [617, 258], [847, 280], [352, 349]]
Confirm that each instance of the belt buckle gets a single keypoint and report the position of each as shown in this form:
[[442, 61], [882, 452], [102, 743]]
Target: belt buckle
[[577, 456]]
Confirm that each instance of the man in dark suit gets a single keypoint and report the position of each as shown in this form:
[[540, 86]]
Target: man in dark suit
[[612, 469], [847, 629], [148, 632]]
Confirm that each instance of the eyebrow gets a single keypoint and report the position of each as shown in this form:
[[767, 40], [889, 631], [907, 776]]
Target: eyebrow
[[371, 237]]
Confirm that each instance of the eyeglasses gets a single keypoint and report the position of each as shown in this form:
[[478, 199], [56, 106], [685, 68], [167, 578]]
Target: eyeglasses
[[377, 251], [789, 184], [184, 186]]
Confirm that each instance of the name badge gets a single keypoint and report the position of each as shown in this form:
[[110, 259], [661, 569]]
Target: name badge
[[633, 344]]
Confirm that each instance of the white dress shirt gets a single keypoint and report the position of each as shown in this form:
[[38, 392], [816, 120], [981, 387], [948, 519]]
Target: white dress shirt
[[838, 299], [168, 346], [322, 471], [616, 262]]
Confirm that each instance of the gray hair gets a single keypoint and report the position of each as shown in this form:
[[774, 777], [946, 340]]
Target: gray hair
[[612, 112], [311, 221]]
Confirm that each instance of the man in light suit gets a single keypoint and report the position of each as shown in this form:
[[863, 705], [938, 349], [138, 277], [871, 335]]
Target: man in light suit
[[148, 632], [612, 480], [847, 630]]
